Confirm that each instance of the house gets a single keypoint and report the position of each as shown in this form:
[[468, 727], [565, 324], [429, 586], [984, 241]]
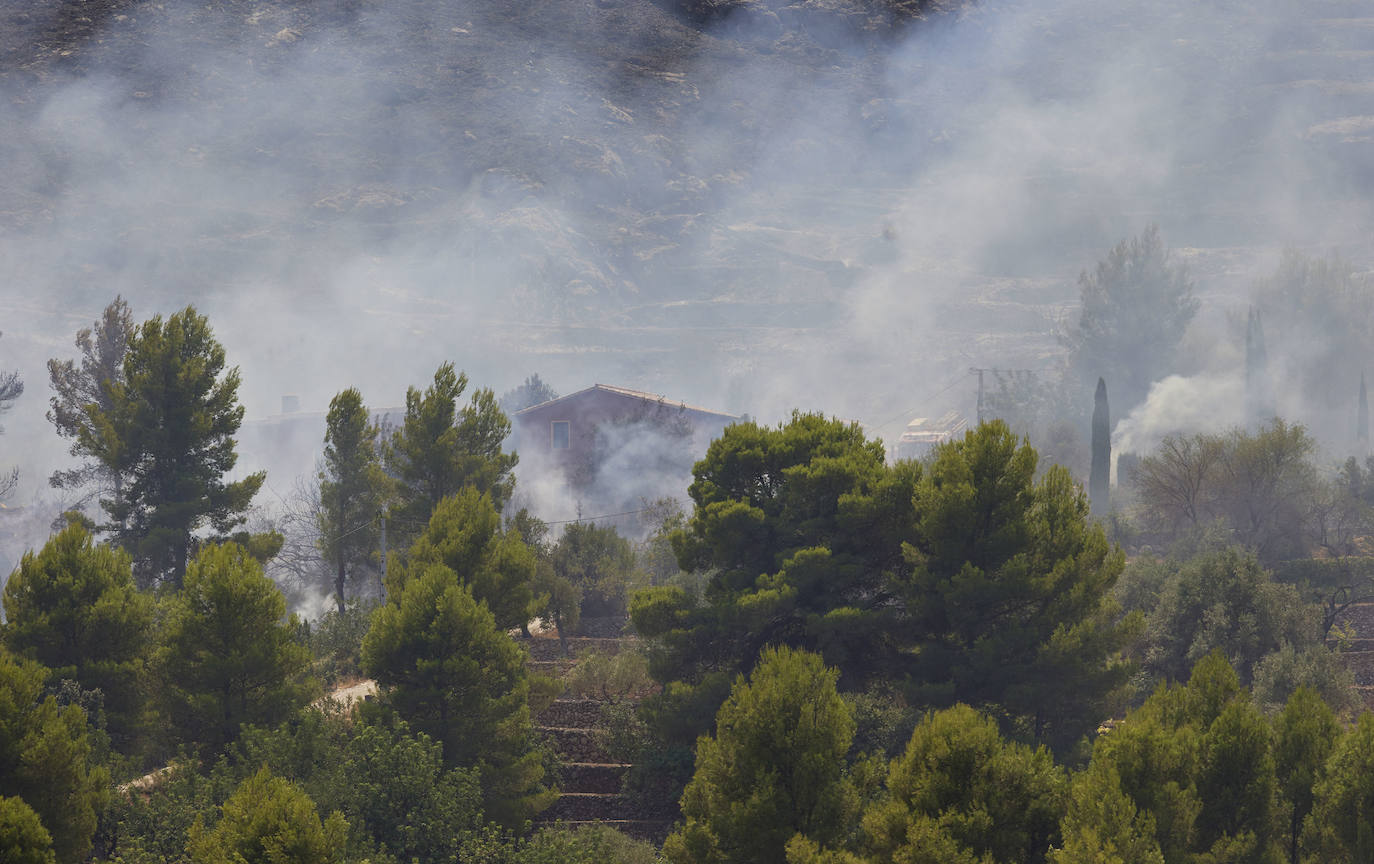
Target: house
[[923, 434], [605, 449]]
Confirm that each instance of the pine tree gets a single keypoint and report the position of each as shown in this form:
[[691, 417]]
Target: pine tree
[[268, 820], [464, 534], [82, 394], [442, 664], [1341, 825], [73, 607], [773, 769], [44, 758], [961, 788], [1305, 733], [996, 544], [352, 488], [23, 839], [439, 449], [168, 433], [230, 654]]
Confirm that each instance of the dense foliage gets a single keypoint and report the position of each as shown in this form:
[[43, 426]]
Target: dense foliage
[[774, 768], [168, 434], [440, 448], [894, 573], [464, 536], [447, 670], [229, 654], [73, 607], [847, 661], [44, 761], [353, 490]]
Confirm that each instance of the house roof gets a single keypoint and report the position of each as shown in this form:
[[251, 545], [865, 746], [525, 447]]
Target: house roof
[[629, 394]]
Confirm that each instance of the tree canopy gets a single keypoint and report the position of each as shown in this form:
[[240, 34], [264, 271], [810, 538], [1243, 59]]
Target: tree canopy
[[92, 383], [969, 580], [1136, 305], [353, 488], [168, 434], [268, 820], [229, 654], [23, 839], [44, 760], [1262, 487], [439, 448], [73, 607], [1009, 593], [960, 792], [464, 535], [1190, 773], [774, 767], [600, 564], [533, 391], [1224, 601], [445, 668]]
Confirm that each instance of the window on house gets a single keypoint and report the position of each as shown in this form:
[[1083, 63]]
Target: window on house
[[560, 434]]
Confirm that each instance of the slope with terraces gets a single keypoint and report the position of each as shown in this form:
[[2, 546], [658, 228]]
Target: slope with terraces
[[1358, 652], [590, 777]]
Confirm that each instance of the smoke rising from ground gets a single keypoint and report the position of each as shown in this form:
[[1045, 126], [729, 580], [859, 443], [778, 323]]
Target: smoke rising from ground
[[779, 211]]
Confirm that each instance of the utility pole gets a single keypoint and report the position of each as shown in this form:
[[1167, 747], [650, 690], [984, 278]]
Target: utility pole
[[979, 372], [381, 514]]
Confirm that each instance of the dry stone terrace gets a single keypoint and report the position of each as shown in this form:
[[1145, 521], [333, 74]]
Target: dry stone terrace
[[1358, 653], [589, 777]]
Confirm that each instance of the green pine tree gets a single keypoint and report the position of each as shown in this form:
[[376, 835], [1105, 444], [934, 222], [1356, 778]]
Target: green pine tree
[[44, 759], [167, 433], [773, 769], [229, 653], [73, 607], [443, 665], [353, 488], [439, 448]]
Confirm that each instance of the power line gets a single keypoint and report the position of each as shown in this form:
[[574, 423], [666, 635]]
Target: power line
[[945, 389], [547, 521], [351, 531], [602, 516]]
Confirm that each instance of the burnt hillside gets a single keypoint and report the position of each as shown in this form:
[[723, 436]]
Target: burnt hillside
[[743, 202]]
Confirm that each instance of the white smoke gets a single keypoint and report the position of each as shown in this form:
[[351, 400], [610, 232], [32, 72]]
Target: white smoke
[[1179, 405]]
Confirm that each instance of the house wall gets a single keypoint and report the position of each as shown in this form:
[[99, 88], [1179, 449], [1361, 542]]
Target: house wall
[[584, 412]]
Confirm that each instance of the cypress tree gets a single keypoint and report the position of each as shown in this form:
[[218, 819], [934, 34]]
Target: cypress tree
[[1362, 418], [1102, 451], [1259, 396]]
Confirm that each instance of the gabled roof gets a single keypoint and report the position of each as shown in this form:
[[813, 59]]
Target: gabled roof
[[626, 392]]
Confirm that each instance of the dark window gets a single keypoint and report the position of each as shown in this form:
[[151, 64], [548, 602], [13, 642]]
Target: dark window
[[560, 434]]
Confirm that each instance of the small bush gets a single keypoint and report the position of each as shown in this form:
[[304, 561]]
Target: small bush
[[611, 677], [336, 641]]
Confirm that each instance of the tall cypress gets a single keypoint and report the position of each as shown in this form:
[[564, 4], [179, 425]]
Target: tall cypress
[[1102, 451], [1259, 395], [1362, 418]]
